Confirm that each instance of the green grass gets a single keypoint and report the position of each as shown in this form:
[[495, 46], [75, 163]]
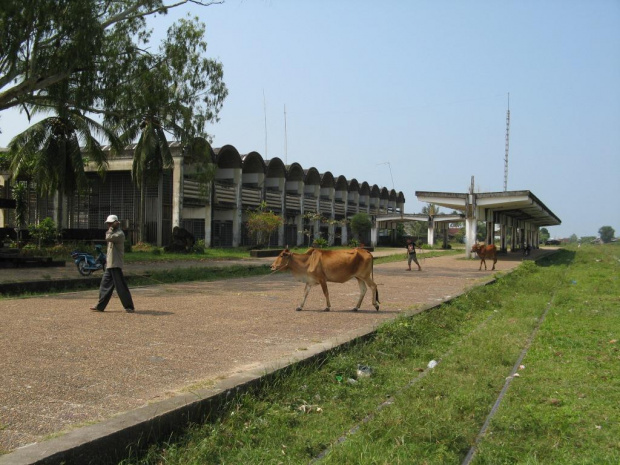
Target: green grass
[[563, 408]]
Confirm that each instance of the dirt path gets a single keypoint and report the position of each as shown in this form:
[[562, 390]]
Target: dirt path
[[64, 366]]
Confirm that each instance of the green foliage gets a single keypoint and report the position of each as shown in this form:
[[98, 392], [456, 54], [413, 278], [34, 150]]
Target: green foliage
[[45, 233], [566, 392], [199, 166], [20, 195], [101, 50], [431, 209], [199, 247], [354, 243], [543, 235], [607, 233], [262, 223], [49, 152], [321, 242], [361, 224]]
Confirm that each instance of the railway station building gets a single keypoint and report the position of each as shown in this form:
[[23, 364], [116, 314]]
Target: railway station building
[[312, 204]]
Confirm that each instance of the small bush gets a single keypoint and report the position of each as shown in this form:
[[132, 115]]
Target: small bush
[[319, 243], [45, 233], [143, 247], [199, 247]]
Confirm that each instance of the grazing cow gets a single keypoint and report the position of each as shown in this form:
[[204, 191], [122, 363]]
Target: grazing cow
[[484, 252], [337, 266]]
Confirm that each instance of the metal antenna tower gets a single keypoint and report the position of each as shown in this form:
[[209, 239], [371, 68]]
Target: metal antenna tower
[[285, 139], [507, 145], [390, 167], [265, 111]]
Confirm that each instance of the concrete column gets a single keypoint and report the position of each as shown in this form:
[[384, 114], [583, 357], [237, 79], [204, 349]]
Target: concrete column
[[502, 235], [283, 203], [238, 209], [331, 229], [299, 222], [208, 215], [344, 238], [471, 229], [431, 232], [374, 232], [177, 191]]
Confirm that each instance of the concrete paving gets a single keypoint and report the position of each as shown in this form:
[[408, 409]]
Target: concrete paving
[[80, 386]]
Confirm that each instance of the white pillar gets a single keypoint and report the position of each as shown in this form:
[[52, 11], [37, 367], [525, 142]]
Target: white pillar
[[177, 191], [431, 232], [238, 210], [471, 229], [282, 182]]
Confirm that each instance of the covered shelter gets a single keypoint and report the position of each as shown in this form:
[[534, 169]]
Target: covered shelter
[[519, 214]]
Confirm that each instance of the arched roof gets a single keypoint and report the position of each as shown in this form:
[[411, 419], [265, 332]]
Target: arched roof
[[354, 186], [253, 163], [393, 195], [385, 194], [364, 188], [375, 191], [401, 197], [275, 168], [295, 172], [312, 177], [228, 157], [341, 183], [327, 179], [198, 151]]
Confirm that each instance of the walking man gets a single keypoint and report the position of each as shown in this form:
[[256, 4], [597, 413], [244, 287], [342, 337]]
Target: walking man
[[411, 255], [113, 275]]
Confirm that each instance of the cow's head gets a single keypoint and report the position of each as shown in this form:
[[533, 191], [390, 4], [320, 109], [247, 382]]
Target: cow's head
[[282, 261], [476, 247]]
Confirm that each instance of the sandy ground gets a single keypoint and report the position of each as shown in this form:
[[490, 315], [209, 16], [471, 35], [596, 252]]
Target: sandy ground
[[63, 366]]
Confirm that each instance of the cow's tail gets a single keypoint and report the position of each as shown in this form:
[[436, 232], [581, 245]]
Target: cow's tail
[[372, 273]]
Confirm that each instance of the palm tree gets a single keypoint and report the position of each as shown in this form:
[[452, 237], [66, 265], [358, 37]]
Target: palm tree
[[50, 153], [431, 210], [151, 157]]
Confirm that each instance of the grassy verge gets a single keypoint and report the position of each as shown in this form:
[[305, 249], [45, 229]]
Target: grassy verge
[[563, 407]]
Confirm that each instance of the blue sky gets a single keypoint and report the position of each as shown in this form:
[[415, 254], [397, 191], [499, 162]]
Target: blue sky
[[422, 85]]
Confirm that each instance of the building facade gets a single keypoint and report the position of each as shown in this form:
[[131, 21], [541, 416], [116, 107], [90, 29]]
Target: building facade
[[311, 204]]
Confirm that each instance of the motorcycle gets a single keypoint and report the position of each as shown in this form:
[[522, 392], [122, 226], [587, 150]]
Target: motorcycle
[[87, 263]]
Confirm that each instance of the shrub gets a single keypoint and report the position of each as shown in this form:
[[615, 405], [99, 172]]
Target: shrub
[[319, 243], [199, 247], [261, 223], [45, 233]]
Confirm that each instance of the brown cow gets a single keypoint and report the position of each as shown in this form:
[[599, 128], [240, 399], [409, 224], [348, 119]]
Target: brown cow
[[484, 252], [337, 266]]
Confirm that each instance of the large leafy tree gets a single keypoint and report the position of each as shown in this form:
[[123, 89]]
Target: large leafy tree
[[50, 152], [176, 92], [606, 233], [100, 50], [93, 44]]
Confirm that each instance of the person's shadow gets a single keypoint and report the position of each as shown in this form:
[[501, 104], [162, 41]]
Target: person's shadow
[[153, 312]]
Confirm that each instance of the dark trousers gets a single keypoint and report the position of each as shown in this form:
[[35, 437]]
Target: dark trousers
[[113, 278]]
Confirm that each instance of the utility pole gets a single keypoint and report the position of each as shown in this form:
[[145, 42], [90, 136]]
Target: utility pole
[[265, 111], [285, 139], [507, 145]]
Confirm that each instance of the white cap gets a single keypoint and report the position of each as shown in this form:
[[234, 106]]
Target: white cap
[[111, 219]]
